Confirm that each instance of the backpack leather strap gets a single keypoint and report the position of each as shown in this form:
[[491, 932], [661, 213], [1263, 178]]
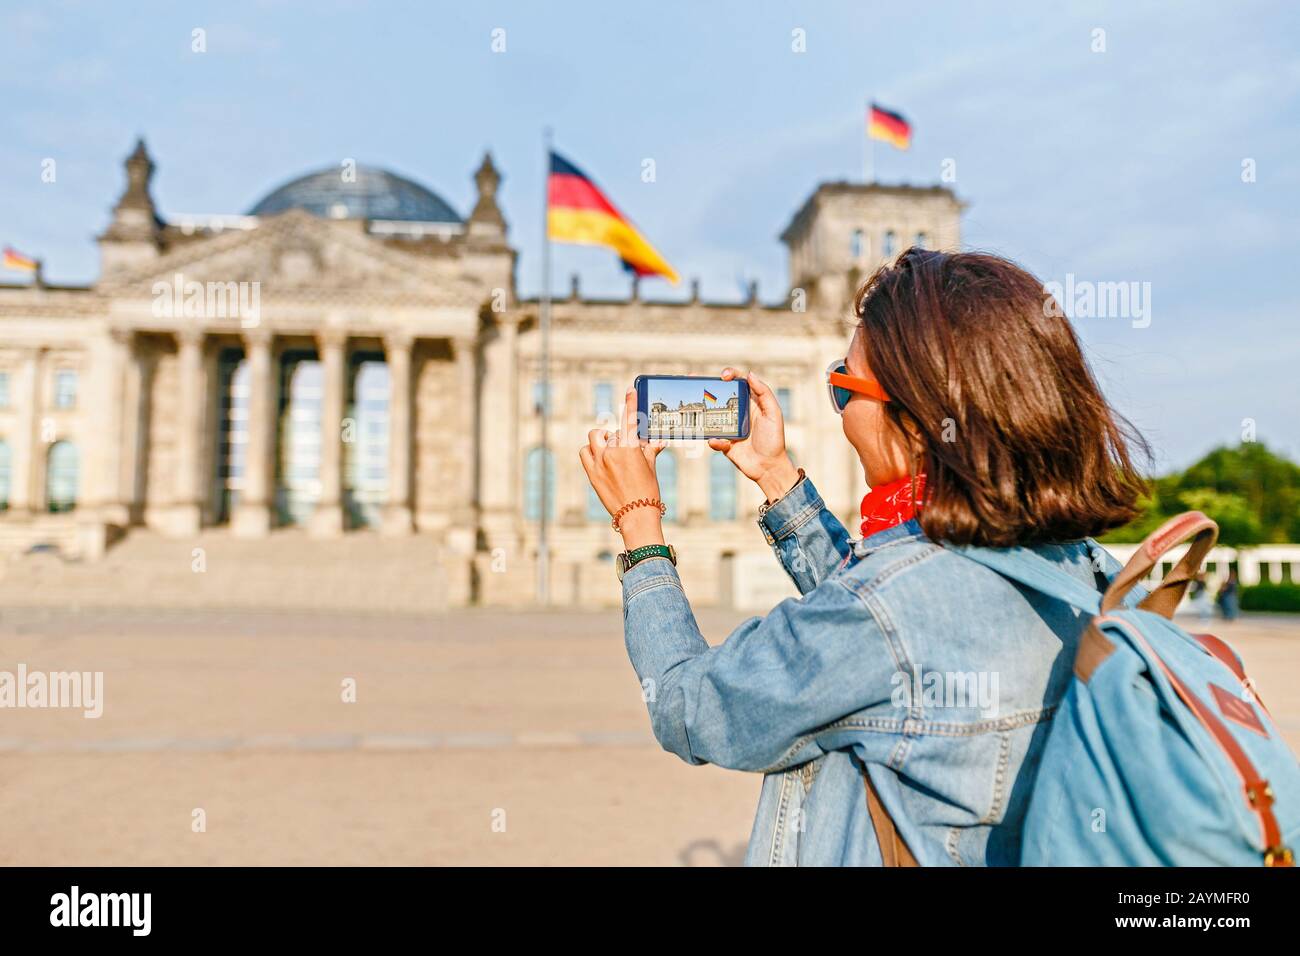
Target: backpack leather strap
[[1228, 658], [1259, 795], [1168, 593], [893, 851]]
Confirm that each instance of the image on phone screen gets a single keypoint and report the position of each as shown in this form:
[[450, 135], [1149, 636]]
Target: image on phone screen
[[681, 407]]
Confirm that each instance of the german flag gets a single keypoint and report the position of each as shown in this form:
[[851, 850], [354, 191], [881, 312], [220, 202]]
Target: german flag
[[577, 211], [889, 126], [13, 259], [709, 396]]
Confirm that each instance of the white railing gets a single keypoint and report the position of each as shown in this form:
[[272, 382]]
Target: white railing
[[1282, 562]]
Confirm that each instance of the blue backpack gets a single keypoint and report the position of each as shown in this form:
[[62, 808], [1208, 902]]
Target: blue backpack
[[1160, 753]]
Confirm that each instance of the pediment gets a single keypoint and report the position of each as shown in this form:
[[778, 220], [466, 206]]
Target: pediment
[[298, 255]]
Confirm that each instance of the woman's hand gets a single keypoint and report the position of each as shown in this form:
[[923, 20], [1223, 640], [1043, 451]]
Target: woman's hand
[[621, 469], [762, 456]]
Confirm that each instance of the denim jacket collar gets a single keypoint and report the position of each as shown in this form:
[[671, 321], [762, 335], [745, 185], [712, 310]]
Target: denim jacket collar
[[907, 531]]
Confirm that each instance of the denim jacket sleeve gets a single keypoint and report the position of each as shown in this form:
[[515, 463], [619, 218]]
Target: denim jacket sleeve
[[809, 541], [752, 702]]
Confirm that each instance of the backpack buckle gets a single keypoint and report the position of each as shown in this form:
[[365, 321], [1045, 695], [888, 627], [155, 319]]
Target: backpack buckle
[[1279, 856], [1260, 794]]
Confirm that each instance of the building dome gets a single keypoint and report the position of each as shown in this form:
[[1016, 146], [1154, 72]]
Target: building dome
[[372, 194]]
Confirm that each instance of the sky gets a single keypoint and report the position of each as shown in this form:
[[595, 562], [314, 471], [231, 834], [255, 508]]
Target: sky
[[1147, 143]]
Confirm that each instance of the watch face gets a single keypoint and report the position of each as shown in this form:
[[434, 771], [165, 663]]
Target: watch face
[[621, 564]]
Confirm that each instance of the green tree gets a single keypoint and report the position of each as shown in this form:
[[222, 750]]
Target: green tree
[[1252, 493]]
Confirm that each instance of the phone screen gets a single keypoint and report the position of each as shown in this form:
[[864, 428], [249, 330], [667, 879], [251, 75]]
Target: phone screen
[[691, 408]]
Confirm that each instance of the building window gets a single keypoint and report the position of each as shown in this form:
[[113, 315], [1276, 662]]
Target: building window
[[595, 510], [858, 244], [541, 397], [300, 443], [666, 469], [232, 448], [61, 477], [783, 399], [366, 455], [65, 388], [4, 389], [722, 489], [891, 244], [533, 485], [6, 474], [602, 399], [920, 240]]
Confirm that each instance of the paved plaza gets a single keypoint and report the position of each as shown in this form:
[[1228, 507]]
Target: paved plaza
[[475, 737]]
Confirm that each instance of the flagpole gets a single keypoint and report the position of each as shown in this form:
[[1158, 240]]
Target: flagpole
[[544, 327]]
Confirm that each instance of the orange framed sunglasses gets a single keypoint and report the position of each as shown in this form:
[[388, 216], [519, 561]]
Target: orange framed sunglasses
[[842, 386]]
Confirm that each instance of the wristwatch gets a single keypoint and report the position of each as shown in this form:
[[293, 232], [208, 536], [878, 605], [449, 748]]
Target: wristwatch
[[626, 559]]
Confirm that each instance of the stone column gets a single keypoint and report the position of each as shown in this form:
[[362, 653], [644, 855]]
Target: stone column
[[505, 574], [107, 492], [26, 495], [135, 434], [462, 499], [465, 503], [693, 483], [327, 519], [191, 373], [397, 512], [574, 416], [252, 517], [498, 430]]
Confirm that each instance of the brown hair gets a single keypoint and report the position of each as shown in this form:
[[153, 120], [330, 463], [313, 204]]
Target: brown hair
[[981, 364]]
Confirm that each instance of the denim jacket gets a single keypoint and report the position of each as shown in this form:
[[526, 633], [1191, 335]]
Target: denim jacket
[[933, 673]]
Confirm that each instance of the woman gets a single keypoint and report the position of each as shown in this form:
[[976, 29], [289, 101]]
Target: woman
[[899, 707], [1229, 602]]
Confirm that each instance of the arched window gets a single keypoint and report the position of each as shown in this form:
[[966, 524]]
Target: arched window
[[666, 469], [602, 400], [722, 489], [533, 485], [783, 399], [920, 240], [300, 447], [62, 477], [366, 454], [891, 244], [858, 244], [6, 474], [232, 450]]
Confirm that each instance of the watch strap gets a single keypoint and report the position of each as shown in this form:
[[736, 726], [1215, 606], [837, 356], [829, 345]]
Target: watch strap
[[637, 555]]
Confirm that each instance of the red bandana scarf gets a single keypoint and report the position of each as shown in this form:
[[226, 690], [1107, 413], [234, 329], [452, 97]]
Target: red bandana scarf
[[885, 506]]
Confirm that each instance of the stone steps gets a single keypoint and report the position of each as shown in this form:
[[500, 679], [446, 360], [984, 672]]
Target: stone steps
[[18, 535], [287, 570]]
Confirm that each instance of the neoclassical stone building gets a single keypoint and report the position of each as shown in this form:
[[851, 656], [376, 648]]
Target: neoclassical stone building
[[351, 357]]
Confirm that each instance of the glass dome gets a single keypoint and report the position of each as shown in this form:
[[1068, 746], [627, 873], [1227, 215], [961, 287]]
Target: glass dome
[[371, 194]]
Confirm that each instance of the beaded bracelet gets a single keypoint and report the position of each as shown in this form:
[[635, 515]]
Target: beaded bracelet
[[639, 503]]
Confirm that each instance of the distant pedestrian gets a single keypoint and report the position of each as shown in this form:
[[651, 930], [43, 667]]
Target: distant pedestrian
[[1198, 598], [1229, 599]]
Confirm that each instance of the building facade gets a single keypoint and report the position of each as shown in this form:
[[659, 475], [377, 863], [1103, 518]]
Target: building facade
[[351, 357]]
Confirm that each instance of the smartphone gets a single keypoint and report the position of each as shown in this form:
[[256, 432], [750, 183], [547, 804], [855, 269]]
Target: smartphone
[[691, 408]]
